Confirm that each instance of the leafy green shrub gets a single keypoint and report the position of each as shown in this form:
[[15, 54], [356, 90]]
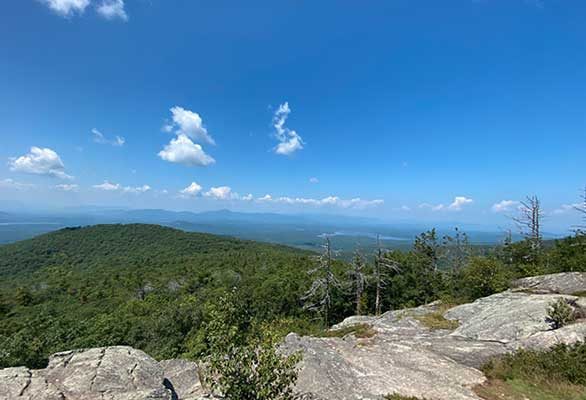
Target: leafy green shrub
[[560, 313], [483, 277], [246, 367], [560, 364]]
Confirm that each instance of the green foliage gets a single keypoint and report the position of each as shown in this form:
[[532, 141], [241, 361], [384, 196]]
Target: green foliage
[[560, 364], [155, 288], [559, 313], [145, 286], [483, 277], [245, 367]]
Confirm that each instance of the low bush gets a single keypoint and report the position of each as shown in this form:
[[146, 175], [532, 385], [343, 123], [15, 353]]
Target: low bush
[[560, 313]]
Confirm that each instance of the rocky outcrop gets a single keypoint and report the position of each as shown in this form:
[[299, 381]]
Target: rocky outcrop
[[403, 355], [562, 283], [408, 358], [108, 373]]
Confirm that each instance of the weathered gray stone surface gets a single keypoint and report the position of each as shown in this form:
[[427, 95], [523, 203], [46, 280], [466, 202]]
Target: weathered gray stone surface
[[108, 373], [182, 377], [563, 283], [407, 358]]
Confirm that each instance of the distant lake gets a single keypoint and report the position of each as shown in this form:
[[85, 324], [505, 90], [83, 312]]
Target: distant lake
[[363, 234]]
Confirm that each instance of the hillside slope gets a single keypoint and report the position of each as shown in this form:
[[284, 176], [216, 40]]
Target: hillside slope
[[142, 285]]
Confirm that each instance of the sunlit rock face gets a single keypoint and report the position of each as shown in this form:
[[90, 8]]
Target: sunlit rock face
[[406, 357]]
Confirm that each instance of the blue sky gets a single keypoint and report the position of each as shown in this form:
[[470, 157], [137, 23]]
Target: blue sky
[[403, 110]]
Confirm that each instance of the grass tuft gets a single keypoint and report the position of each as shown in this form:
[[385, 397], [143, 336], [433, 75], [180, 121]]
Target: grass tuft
[[436, 320], [360, 331]]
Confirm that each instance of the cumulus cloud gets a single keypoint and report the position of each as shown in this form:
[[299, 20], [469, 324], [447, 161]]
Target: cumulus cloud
[[313, 179], [40, 161], [191, 191], [67, 8], [456, 205], [505, 206], [459, 202], [99, 137], [183, 151], [248, 197], [64, 187], [221, 193], [190, 124], [112, 9], [289, 140]]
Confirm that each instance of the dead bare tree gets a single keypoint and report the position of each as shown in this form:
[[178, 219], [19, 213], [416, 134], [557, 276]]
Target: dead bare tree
[[358, 279], [456, 250], [582, 209], [382, 266], [529, 223], [319, 296]]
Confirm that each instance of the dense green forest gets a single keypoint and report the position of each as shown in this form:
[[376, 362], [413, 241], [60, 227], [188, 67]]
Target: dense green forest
[[153, 287]]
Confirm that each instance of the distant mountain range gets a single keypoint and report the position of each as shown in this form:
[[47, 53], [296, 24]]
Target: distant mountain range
[[303, 231]]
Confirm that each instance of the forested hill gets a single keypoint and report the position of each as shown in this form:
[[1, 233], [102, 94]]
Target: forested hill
[[135, 246], [143, 285]]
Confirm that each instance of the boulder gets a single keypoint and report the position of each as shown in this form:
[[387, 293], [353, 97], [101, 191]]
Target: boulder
[[107, 373], [182, 377], [562, 283]]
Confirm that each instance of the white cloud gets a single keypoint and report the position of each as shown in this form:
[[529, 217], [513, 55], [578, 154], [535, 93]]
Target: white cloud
[[432, 207], [221, 193], [289, 140], [183, 151], [564, 208], [402, 208], [459, 202], [313, 179], [112, 9], [138, 189], [67, 8], [356, 203], [67, 187], [9, 183], [115, 187], [190, 124], [191, 191], [108, 186], [505, 206], [40, 162], [456, 205], [99, 137], [248, 197]]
